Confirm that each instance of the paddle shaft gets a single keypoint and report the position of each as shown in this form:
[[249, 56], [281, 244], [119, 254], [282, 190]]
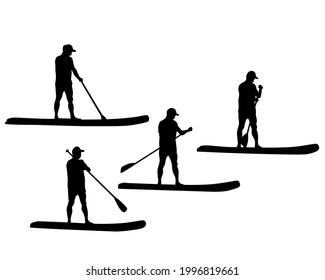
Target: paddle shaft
[[151, 153], [128, 166], [120, 204], [102, 116]]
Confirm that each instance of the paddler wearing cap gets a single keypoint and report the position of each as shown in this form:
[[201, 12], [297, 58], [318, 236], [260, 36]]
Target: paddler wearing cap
[[167, 129], [63, 68], [76, 182], [248, 96]]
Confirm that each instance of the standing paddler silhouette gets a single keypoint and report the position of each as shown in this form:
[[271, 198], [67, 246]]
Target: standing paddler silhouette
[[63, 68], [76, 182], [167, 129], [248, 97]]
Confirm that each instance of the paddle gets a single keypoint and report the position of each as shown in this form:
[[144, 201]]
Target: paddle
[[118, 202], [244, 139], [101, 115], [129, 165]]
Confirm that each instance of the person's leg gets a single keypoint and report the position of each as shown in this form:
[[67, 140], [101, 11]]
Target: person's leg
[[70, 204], [253, 122], [162, 161], [69, 93], [173, 159], [241, 124], [59, 93], [84, 208]]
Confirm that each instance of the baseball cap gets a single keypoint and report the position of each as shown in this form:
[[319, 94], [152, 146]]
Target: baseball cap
[[68, 48], [251, 74], [76, 150], [172, 111]]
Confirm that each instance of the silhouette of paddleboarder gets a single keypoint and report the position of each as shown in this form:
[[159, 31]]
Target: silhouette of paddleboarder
[[63, 68], [76, 182], [167, 143], [248, 96]]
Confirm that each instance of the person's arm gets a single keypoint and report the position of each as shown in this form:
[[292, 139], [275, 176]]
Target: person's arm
[[74, 70], [259, 92], [85, 167], [182, 132]]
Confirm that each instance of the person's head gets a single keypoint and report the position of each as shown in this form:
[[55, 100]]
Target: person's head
[[68, 49], [171, 113], [251, 76], [76, 152]]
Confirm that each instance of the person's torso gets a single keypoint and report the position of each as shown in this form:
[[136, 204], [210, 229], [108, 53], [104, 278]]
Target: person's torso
[[247, 95], [167, 133], [75, 170], [63, 68]]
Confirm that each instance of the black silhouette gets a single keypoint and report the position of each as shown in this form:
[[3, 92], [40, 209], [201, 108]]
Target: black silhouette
[[298, 150], [78, 122], [248, 97], [77, 156], [129, 165], [167, 144], [63, 68], [244, 138], [168, 128], [76, 187], [76, 183], [221, 187], [92, 227]]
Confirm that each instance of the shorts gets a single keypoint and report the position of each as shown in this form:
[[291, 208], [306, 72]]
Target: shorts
[[73, 193], [243, 115], [67, 88]]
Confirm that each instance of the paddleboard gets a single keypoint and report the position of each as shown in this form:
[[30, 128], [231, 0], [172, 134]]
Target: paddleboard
[[92, 227], [297, 150], [79, 122], [220, 187]]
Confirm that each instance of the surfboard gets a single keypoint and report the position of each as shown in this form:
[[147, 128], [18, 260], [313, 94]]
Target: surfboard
[[79, 122], [219, 187], [296, 150], [91, 227]]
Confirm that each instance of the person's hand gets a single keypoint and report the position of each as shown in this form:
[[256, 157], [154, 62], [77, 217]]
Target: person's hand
[[260, 87], [190, 129], [80, 80]]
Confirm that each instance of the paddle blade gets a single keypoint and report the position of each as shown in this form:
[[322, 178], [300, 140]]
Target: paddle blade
[[244, 140], [120, 205], [126, 167]]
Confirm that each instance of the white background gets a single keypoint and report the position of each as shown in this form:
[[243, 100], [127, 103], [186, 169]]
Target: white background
[[142, 57]]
